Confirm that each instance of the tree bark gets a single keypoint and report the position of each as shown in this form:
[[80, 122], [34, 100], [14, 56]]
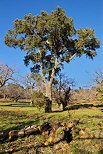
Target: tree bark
[[64, 104], [48, 106], [48, 87]]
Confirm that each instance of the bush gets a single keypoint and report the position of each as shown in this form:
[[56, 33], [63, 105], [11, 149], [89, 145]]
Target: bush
[[39, 100], [101, 94]]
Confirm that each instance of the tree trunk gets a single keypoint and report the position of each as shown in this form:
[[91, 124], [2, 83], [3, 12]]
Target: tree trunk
[[64, 104], [48, 106], [66, 98], [31, 92]]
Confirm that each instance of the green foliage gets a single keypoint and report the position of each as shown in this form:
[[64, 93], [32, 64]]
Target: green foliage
[[50, 40], [101, 93], [39, 99]]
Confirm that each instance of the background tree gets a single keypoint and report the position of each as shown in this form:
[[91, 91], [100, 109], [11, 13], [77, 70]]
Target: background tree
[[98, 78], [3, 92], [99, 84], [62, 90], [6, 74], [15, 92], [31, 82], [50, 40], [84, 95]]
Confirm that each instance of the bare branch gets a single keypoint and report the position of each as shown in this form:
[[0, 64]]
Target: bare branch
[[6, 73], [43, 77]]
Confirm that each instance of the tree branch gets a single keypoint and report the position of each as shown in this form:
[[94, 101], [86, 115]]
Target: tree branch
[[43, 77], [56, 64], [72, 57], [53, 70]]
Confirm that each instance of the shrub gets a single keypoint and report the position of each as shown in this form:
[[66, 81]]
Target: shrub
[[101, 94], [39, 100]]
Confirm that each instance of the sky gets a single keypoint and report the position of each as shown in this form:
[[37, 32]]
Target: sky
[[85, 13]]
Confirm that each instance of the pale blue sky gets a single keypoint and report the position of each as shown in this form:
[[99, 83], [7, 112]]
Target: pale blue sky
[[86, 13]]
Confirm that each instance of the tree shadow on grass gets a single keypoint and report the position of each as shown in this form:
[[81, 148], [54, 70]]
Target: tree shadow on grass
[[57, 111], [42, 145], [17, 105], [102, 110], [100, 105], [79, 106], [19, 126], [75, 107]]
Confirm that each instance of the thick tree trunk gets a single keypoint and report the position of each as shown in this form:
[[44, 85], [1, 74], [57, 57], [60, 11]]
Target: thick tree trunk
[[48, 106], [66, 98], [48, 86], [64, 104]]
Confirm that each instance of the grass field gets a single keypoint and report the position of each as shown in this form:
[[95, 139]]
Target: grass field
[[17, 116]]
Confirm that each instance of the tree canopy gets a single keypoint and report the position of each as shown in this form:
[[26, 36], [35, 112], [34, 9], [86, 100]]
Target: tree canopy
[[15, 92], [52, 34]]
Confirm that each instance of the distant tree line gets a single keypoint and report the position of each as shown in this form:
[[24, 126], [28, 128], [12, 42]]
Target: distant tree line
[[31, 87]]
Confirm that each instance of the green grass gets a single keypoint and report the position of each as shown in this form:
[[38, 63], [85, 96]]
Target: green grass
[[15, 116]]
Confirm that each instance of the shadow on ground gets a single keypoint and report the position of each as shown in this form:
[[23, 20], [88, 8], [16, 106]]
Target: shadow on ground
[[23, 104], [41, 145], [78, 106], [21, 125]]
